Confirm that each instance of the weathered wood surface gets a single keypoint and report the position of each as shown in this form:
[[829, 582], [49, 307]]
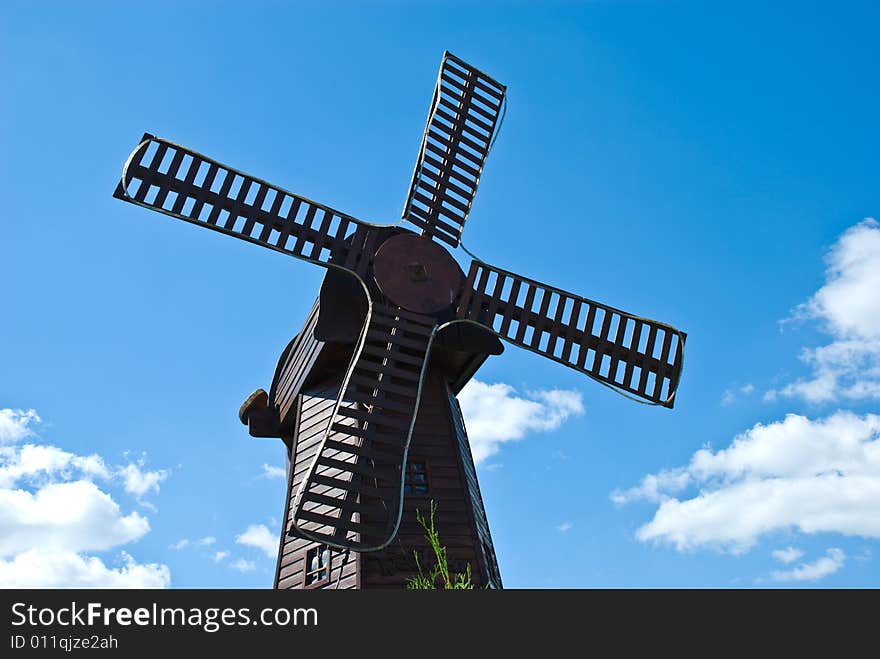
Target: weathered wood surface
[[640, 356], [440, 442], [351, 494], [461, 126]]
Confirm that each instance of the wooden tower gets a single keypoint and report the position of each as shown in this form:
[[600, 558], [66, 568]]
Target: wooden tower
[[364, 396], [439, 466]]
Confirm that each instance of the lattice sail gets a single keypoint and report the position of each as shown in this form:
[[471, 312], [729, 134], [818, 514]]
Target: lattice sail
[[352, 494], [639, 356], [464, 117], [184, 184]]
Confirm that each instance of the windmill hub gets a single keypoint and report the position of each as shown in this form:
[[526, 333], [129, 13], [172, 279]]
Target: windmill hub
[[416, 273]]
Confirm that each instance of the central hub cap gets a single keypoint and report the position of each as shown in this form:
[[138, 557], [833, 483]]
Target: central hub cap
[[416, 273]]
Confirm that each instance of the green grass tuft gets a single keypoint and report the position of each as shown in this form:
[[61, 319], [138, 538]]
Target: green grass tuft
[[440, 570]]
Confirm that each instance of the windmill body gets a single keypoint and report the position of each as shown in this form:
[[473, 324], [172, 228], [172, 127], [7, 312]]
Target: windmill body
[[439, 463], [364, 396]]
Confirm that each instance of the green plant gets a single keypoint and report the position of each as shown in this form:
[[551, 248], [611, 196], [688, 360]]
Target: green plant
[[440, 570]]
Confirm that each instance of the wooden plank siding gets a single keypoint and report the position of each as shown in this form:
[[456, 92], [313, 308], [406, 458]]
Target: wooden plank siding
[[313, 413], [436, 443], [307, 416], [295, 366], [439, 440], [470, 473]]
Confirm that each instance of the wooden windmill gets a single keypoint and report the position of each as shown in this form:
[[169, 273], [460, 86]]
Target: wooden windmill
[[364, 396]]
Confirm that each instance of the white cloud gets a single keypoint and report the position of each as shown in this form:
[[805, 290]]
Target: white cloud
[[812, 475], [139, 482], [829, 564], [787, 555], [243, 566], [270, 471], [15, 424], [495, 414], [732, 394], [863, 556], [809, 475], [183, 543], [32, 461], [260, 537], [654, 487], [221, 556], [848, 300], [38, 568], [52, 511], [41, 463], [848, 308], [565, 526], [75, 516]]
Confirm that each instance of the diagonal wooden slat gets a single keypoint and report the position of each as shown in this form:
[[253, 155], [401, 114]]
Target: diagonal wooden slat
[[364, 448], [231, 202], [596, 346], [464, 117]]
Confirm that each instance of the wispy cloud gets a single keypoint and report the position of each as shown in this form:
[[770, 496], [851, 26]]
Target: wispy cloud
[[848, 308], [732, 394], [787, 555], [139, 481], [271, 471], [260, 537], [832, 562], [183, 543], [36, 462], [243, 565], [564, 527], [497, 413], [15, 425]]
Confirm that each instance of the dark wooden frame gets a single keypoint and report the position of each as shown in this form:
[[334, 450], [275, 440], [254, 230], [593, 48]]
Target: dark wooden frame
[[320, 548], [415, 494]]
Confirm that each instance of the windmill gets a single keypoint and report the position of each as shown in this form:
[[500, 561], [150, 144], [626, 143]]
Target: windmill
[[364, 396]]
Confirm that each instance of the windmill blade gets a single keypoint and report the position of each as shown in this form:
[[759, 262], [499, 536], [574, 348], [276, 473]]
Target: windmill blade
[[352, 496], [184, 184], [641, 357], [460, 130]]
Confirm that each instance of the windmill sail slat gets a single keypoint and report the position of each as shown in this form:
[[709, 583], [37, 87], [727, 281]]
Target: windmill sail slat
[[235, 203], [606, 354], [364, 448], [463, 119]]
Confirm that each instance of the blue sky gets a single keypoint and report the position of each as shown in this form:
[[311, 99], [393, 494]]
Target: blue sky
[[687, 163]]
